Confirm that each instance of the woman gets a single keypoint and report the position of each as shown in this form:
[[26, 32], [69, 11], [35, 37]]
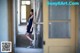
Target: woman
[[30, 27]]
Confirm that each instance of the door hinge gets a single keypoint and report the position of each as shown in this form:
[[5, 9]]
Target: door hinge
[[43, 42]]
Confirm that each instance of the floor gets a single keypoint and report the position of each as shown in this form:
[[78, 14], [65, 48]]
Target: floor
[[27, 50], [22, 41]]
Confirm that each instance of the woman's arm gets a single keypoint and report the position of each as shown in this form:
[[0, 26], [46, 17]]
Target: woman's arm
[[31, 27], [34, 22]]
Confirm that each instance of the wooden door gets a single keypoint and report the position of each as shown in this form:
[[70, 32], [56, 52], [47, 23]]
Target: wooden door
[[58, 28]]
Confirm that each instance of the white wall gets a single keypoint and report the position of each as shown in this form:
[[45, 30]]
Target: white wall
[[3, 21]]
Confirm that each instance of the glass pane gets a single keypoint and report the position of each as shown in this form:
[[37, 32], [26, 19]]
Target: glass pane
[[23, 13], [59, 0], [39, 17], [38, 11], [26, 2], [59, 30], [39, 35], [58, 12]]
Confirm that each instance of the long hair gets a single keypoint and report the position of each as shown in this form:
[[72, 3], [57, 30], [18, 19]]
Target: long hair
[[32, 12]]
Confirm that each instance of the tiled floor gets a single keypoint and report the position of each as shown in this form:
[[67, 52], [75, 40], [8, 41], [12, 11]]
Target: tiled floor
[[28, 50]]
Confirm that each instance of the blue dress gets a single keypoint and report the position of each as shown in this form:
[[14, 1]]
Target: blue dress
[[30, 22]]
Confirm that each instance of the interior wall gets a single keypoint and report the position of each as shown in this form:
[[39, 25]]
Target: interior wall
[[28, 9], [3, 21]]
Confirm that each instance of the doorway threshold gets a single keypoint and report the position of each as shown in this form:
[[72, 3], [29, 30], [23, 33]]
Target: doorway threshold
[[28, 50]]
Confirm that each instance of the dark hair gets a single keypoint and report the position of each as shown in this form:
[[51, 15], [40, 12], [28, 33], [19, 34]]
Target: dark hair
[[31, 10]]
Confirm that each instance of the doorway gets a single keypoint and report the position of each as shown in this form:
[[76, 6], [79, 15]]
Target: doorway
[[23, 12], [64, 43]]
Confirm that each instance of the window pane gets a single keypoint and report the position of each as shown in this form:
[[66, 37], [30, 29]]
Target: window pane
[[59, 30], [39, 17], [58, 12], [39, 35], [38, 11], [59, 0], [26, 2], [23, 13]]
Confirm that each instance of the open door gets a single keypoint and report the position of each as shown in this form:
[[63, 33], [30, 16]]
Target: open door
[[58, 28]]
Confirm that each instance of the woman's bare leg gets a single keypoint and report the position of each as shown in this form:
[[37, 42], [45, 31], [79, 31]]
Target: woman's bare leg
[[27, 35]]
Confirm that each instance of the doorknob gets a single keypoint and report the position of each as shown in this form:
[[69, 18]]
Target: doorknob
[[43, 42]]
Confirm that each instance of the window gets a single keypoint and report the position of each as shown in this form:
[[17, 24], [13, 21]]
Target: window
[[26, 2], [24, 11], [59, 21]]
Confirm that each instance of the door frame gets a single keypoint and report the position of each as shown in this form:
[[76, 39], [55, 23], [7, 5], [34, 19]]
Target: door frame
[[76, 25], [10, 24]]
